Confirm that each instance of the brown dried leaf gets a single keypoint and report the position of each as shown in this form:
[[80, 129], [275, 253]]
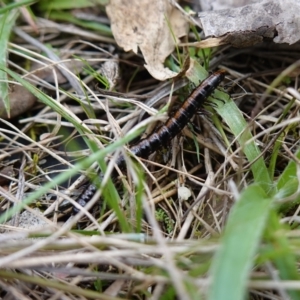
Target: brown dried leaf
[[207, 43], [6, 171], [21, 101], [147, 25]]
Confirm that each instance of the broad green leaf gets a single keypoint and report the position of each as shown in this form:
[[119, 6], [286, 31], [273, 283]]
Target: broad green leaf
[[289, 173], [283, 257], [232, 263], [288, 185]]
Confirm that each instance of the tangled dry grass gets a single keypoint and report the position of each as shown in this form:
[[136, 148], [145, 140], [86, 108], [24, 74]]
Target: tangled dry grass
[[143, 240]]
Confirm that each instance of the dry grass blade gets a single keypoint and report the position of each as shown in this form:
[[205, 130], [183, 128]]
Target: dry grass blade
[[214, 215]]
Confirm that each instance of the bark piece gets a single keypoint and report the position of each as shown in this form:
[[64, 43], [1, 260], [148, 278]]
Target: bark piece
[[249, 24]]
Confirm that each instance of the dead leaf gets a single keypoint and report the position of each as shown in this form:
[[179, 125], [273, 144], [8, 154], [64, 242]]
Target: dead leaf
[[21, 100], [207, 43], [110, 69], [249, 24], [6, 171], [151, 26]]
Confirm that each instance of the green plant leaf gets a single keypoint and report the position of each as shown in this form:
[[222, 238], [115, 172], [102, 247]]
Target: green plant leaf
[[289, 173], [233, 261], [7, 21], [67, 4], [284, 258], [99, 156], [230, 114]]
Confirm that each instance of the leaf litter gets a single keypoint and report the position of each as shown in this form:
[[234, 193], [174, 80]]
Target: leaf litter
[[151, 26], [171, 252]]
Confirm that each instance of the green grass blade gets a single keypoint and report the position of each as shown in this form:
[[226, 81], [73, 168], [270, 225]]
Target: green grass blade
[[9, 7], [279, 141], [288, 185], [289, 173], [68, 17], [84, 164], [233, 261], [230, 114], [7, 21], [197, 73], [282, 254], [67, 4], [110, 192], [56, 106], [112, 198]]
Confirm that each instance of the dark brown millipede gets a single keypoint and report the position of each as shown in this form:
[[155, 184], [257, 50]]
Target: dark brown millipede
[[165, 133]]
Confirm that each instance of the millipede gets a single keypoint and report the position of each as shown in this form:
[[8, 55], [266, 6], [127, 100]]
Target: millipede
[[166, 132]]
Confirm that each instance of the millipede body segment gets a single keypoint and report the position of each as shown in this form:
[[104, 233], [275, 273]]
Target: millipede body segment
[[165, 133]]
